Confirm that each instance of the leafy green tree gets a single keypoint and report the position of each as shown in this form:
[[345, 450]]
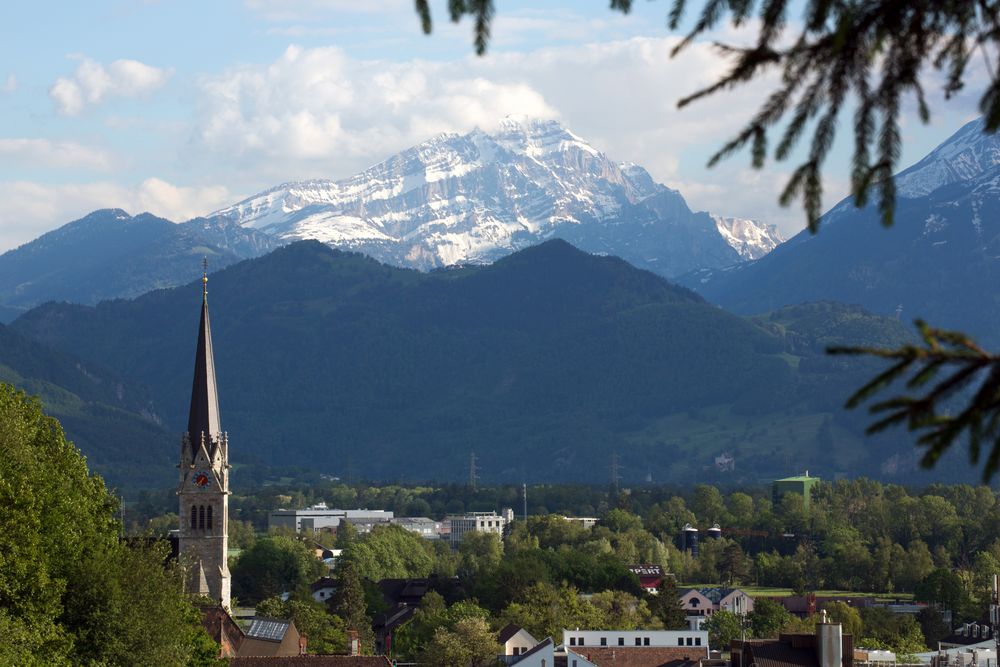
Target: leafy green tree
[[479, 552], [545, 610], [273, 565], [69, 588], [932, 625], [666, 605], [942, 587], [768, 618], [723, 627], [470, 643], [391, 552], [848, 617], [347, 535], [348, 602], [734, 564], [622, 611], [621, 521]]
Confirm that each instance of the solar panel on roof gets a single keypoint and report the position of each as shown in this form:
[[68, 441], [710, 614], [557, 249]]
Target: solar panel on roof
[[268, 629]]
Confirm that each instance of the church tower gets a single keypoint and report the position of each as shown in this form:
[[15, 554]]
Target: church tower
[[204, 477]]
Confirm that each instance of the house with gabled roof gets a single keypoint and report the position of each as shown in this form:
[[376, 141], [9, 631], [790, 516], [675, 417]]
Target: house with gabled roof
[[515, 641], [707, 601]]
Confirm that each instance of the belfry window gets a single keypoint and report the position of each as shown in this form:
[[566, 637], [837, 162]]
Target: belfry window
[[194, 517], [201, 517], [208, 523]]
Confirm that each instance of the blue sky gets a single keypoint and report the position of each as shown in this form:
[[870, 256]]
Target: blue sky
[[180, 107]]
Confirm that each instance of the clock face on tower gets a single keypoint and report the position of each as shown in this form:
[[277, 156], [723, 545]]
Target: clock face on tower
[[200, 479]]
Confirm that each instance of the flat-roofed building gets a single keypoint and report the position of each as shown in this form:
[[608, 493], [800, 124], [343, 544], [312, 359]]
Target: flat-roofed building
[[475, 522], [319, 517]]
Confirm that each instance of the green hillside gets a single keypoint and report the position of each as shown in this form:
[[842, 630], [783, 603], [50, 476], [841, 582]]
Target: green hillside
[[543, 363], [108, 418]]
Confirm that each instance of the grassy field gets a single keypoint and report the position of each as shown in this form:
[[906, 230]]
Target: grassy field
[[771, 592]]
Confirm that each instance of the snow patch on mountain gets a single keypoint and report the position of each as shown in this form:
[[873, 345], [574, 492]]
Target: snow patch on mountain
[[966, 155], [752, 239], [476, 197]]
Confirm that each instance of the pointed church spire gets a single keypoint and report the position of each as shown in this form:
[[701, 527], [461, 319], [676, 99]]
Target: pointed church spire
[[203, 419]]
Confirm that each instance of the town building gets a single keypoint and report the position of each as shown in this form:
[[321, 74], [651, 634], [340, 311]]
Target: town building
[[323, 589], [421, 525], [707, 601], [650, 577], [477, 522], [635, 648], [584, 521], [803, 485], [515, 641], [320, 517], [272, 637], [203, 493]]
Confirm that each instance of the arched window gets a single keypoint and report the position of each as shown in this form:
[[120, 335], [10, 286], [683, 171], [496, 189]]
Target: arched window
[[208, 523], [201, 516], [194, 517]]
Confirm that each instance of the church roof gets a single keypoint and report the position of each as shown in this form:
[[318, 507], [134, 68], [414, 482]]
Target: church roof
[[204, 414]]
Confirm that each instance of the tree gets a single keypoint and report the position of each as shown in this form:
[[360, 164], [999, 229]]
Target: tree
[[933, 625], [666, 605], [391, 552], [768, 618], [544, 610], [69, 587], [734, 564], [723, 627], [273, 565], [942, 587], [846, 615], [470, 643], [348, 602]]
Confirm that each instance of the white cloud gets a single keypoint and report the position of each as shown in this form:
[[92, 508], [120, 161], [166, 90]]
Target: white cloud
[[31, 209], [93, 82], [53, 154], [318, 112]]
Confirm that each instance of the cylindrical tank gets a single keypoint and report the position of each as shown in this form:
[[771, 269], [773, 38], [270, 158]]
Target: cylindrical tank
[[689, 539], [829, 637], [715, 532]]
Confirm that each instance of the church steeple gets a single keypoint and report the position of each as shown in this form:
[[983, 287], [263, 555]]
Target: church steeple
[[203, 493], [203, 418]]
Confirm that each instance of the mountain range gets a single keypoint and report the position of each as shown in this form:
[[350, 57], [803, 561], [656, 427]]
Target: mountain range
[[543, 363], [452, 200], [940, 261], [111, 254], [473, 198]]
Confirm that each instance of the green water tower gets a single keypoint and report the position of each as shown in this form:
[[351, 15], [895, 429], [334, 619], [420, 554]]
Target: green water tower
[[800, 484]]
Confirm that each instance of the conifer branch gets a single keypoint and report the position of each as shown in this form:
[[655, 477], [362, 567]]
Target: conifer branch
[[925, 406]]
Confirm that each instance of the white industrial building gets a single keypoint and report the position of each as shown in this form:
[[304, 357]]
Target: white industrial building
[[658, 638], [320, 516], [478, 522]]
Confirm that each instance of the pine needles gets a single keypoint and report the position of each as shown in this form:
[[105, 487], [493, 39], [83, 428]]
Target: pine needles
[[945, 366]]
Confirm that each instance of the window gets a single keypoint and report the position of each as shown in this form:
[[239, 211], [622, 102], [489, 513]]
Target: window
[[572, 641], [580, 642], [645, 641], [201, 516], [208, 523], [680, 641], [604, 641], [694, 602], [697, 641], [690, 642], [194, 517], [638, 642], [621, 641]]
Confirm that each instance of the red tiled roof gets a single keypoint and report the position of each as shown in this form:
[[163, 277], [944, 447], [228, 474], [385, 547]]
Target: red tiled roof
[[311, 661], [640, 656]]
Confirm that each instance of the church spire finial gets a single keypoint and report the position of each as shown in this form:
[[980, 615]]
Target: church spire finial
[[203, 419], [204, 280]]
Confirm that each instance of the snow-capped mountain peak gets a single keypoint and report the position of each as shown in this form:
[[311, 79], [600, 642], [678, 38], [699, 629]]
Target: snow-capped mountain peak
[[965, 155], [752, 239], [475, 197]]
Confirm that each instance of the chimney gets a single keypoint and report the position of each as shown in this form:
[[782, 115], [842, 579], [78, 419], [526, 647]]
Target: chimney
[[353, 643], [829, 642]]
